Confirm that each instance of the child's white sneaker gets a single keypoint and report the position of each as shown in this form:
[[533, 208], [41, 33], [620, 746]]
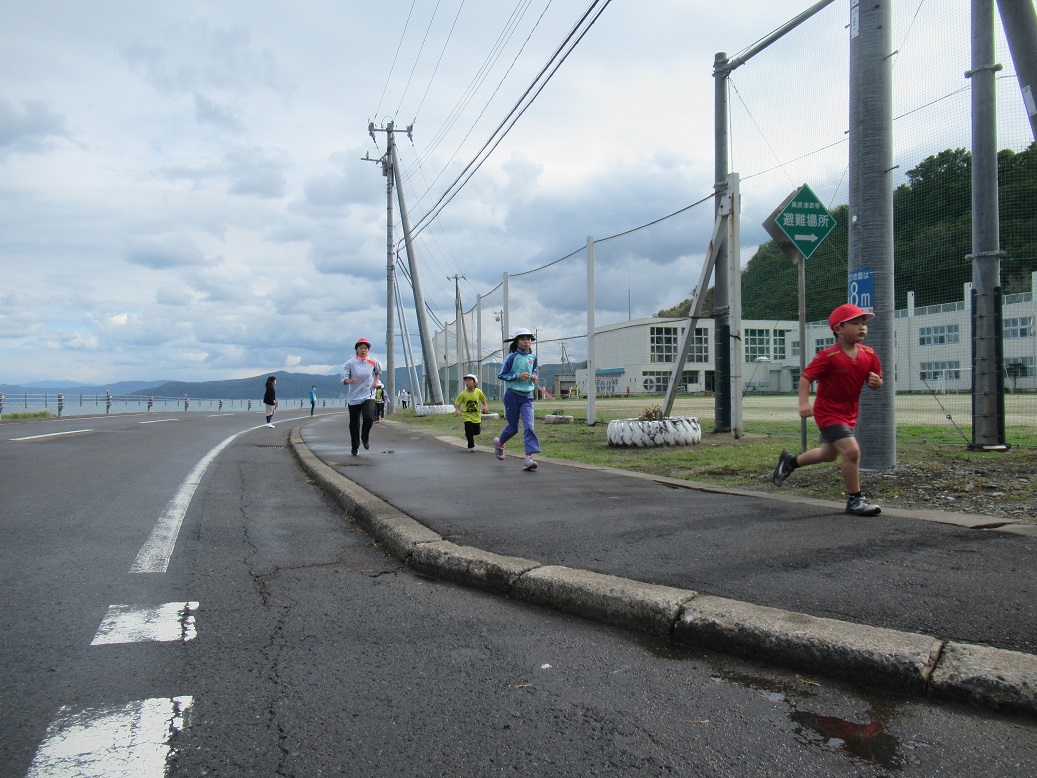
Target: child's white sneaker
[[529, 463], [498, 449]]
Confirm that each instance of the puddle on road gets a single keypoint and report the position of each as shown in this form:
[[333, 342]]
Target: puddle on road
[[866, 740], [869, 742]]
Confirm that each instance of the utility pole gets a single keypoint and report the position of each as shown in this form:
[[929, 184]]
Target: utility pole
[[1019, 18], [390, 279], [461, 334], [988, 381], [871, 212], [427, 346]]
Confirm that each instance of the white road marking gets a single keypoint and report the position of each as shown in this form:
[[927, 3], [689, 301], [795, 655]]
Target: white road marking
[[153, 556], [156, 421], [167, 623], [50, 435], [119, 741]]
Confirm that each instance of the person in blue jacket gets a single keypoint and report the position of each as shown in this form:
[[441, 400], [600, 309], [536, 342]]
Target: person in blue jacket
[[519, 372]]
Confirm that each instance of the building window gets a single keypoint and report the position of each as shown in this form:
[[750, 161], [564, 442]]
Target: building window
[[1020, 367], [757, 344], [794, 349], [822, 343], [699, 352], [659, 380], [940, 371], [1019, 328], [938, 336], [779, 345], [664, 344]]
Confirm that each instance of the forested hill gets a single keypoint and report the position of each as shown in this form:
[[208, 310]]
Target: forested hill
[[932, 221]]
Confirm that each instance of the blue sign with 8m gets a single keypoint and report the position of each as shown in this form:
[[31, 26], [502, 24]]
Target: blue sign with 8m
[[861, 290]]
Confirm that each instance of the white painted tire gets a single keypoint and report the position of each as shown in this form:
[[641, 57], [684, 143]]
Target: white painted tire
[[433, 410], [488, 416], [557, 418], [676, 431]]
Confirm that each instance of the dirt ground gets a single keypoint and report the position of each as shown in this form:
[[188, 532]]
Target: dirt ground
[[991, 484], [946, 478]]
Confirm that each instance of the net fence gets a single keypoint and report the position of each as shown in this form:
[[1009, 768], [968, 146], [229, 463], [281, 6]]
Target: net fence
[[780, 139]]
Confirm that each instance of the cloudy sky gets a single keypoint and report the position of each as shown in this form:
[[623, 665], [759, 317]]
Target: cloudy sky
[[183, 193]]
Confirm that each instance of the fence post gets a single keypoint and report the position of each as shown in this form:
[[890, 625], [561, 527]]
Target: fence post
[[61, 404], [592, 379]]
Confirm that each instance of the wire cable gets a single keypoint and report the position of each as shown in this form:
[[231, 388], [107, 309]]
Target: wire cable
[[515, 114]]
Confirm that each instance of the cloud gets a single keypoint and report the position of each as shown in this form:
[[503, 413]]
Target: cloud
[[208, 111], [164, 251], [33, 128]]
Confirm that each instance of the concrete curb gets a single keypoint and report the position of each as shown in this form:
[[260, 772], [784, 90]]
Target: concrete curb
[[903, 661]]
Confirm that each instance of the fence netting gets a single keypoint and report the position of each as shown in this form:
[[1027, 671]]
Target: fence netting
[[789, 116]]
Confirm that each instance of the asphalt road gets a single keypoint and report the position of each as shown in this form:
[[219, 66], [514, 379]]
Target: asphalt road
[[297, 647]]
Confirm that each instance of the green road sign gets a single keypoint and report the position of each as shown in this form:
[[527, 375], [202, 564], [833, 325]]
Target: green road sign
[[805, 221]]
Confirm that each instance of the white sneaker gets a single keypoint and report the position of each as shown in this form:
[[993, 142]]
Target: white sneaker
[[529, 463], [271, 426]]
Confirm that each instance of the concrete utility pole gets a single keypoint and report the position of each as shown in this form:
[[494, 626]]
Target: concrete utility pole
[[871, 214], [723, 340], [460, 334], [390, 280], [428, 351], [1019, 18], [988, 382]]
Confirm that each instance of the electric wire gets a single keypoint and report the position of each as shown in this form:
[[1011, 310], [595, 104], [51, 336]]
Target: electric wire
[[417, 57], [439, 61], [396, 56], [515, 114], [485, 107], [481, 75]]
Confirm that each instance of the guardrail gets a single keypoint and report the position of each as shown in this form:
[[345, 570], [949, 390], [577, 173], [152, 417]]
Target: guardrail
[[65, 404]]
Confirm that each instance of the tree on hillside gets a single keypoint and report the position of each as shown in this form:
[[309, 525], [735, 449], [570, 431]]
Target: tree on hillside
[[932, 222]]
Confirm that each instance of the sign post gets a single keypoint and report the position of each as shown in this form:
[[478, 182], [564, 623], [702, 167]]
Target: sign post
[[799, 225]]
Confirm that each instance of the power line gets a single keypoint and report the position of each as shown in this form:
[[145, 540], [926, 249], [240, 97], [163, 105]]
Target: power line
[[553, 65], [396, 56], [417, 57]]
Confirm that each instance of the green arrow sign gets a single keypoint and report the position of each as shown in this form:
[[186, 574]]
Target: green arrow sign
[[805, 221]]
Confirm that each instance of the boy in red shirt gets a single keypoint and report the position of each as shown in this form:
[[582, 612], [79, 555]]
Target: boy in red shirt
[[840, 371]]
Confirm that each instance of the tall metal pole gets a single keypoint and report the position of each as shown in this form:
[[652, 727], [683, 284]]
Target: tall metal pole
[[988, 399], [592, 378], [724, 344], [428, 350], [390, 291], [721, 304], [871, 213], [1019, 18], [390, 271]]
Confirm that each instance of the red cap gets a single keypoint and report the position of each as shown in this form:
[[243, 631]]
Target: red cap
[[365, 341], [845, 312]]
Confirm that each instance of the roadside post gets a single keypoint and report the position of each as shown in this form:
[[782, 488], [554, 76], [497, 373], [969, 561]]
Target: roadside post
[[799, 225]]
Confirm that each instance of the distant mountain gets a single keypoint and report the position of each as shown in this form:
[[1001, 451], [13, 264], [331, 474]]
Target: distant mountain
[[73, 388], [289, 385], [55, 385]]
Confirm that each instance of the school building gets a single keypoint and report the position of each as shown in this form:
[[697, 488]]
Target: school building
[[933, 351]]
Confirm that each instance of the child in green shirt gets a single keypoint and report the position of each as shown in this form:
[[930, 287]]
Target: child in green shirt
[[470, 400]]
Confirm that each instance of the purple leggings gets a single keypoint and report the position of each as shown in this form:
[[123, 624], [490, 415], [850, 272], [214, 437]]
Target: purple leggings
[[516, 406]]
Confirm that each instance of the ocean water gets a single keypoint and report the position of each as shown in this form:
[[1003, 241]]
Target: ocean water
[[91, 405]]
